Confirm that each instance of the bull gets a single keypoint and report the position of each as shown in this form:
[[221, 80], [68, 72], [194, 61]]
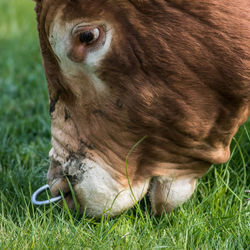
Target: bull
[[169, 79]]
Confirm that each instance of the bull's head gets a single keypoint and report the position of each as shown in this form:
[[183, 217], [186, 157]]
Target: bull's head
[[173, 72]]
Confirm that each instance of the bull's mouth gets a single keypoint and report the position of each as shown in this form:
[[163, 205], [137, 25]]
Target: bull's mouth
[[62, 177], [95, 190], [60, 182]]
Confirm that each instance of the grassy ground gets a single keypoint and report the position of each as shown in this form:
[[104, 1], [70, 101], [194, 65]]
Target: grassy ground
[[217, 216]]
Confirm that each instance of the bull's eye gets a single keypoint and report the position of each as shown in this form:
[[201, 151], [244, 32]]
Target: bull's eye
[[84, 40], [89, 36], [86, 37]]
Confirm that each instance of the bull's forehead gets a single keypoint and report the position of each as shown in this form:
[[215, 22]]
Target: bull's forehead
[[80, 8]]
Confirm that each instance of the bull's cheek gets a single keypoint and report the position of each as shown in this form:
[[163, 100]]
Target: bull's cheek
[[65, 135]]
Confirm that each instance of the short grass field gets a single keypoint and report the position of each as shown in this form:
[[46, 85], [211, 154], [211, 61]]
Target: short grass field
[[216, 217]]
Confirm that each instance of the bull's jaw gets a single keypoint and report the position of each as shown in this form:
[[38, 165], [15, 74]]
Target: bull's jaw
[[96, 190], [98, 193]]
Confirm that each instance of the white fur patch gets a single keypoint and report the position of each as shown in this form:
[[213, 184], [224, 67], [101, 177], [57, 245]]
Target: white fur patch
[[173, 192], [178, 191], [59, 38], [99, 193], [93, 59]]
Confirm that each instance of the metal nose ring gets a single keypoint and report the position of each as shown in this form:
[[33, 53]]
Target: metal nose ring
[[45, 202]]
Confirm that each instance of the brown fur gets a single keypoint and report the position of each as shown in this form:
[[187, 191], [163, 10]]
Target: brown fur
[[178, 72]]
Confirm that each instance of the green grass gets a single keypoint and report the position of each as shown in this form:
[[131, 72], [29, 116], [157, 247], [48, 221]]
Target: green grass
[[216, 217]]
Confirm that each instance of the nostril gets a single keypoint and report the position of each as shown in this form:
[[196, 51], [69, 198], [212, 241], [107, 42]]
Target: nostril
[[59, 184]]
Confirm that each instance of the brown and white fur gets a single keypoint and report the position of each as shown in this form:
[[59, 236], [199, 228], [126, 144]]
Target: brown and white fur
[[175, 72]]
